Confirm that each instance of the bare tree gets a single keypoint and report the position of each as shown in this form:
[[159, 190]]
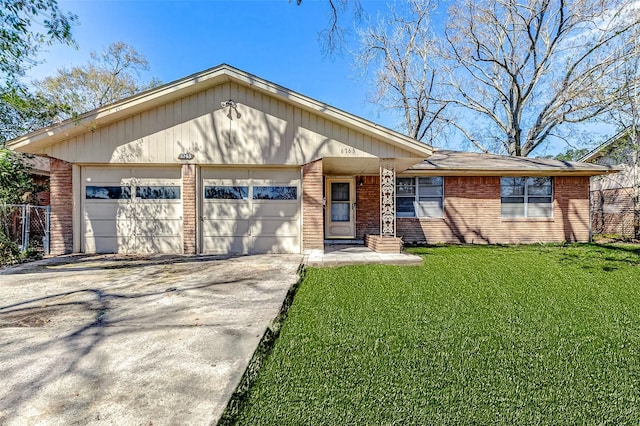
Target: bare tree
[[106, 78], [529, 67], [400, 51], [333, 36]]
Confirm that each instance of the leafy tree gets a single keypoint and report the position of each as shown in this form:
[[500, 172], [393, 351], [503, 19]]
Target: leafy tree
[[572, 154], [15, 178], [22, 112], [26, 26], [106, 78]]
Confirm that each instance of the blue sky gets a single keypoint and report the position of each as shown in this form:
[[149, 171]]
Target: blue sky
[[273, 39]]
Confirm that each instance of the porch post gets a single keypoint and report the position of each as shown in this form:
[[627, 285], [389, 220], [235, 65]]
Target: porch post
[[387, 197]]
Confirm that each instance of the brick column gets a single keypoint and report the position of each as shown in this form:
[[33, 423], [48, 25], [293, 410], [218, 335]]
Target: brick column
[[312, 208], [61, 190], [189, 211], [367, 206]]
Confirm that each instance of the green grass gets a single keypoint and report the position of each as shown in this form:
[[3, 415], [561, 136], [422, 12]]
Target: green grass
[[478, 335]]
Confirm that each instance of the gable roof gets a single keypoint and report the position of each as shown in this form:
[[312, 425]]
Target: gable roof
[[456, 163], [606, 147], [194, 83]]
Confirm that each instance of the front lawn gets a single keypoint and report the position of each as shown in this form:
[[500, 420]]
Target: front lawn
[[478, 335]]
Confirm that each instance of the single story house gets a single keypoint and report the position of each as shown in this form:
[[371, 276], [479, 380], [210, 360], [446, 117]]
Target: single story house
[[612, 206], [226, 162]]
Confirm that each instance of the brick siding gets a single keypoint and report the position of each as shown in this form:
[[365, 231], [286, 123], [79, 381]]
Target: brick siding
[[312, 208], [382, 244], [612, 211], [189, 214], [61, 189], [367, 206], [472, 215]]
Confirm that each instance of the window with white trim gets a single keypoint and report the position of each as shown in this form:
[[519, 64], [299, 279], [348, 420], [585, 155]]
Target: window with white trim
[[526, 197], [420, 196]]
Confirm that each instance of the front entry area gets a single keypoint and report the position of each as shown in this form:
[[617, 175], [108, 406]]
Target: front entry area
[[340, 221]]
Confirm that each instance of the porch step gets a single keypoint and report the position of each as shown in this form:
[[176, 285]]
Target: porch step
[[350, 242]]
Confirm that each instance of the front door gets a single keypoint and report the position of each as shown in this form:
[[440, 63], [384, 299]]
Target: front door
[[340, 213]]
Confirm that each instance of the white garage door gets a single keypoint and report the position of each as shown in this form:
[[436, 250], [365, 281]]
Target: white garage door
[[132, 210], [250, 211]]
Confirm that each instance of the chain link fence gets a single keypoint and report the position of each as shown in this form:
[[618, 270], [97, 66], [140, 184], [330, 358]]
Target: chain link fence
[[27, 226]]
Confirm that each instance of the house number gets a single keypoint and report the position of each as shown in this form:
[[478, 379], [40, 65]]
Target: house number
[[185, 156], [347, 151]]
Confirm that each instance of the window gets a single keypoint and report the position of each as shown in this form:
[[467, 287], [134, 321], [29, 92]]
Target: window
[[420, 196], [158, 192], [226, 192], [275, 193], [526, 196], [107, 192], [340, 202]]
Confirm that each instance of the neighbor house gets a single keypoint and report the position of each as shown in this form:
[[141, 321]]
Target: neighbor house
[[225, 162], [612, 206], [40, 170]]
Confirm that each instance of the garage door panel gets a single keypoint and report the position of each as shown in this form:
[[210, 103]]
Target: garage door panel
[[102, 175], [225, 227], [158, 227], [238, 183], [275, 227], [147, 175], [158, 210], [270, 176], [275, 209], [122, 222], [214, 210], [267, 244], [109, 244], [107, 227], [159, 244], [234, 222], [226, 245], [108, 210], [229, 173]]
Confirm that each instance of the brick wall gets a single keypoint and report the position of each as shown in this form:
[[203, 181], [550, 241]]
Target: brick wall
[[189, 214], [61, 189], [472, 215], [612, 211], [367, 206], [312, 208]]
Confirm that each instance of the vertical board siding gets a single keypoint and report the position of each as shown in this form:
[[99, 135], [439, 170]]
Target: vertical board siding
[[267, 131]]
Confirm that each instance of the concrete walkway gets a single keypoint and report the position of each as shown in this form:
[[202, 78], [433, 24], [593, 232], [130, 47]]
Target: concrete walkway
[[131, 340], [344, 255]]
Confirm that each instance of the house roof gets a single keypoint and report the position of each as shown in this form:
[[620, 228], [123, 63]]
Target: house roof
[[39, 165], [604, 148], [445, 162], [186, 86]]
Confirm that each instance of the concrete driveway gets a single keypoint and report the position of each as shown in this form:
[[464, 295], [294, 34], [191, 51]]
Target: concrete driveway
[[132, 340]]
